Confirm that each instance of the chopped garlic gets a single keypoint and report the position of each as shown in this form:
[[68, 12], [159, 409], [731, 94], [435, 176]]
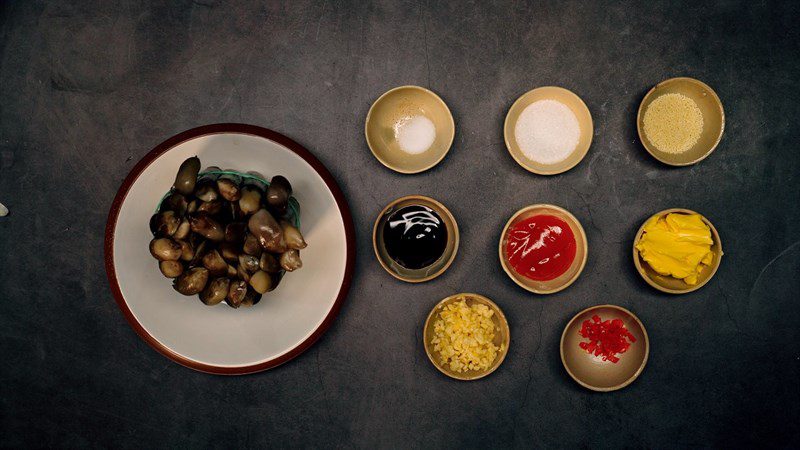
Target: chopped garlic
[[464, 335]]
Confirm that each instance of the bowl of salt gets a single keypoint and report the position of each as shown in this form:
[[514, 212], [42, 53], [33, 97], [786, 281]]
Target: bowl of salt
[[548, 130], [409, 129]]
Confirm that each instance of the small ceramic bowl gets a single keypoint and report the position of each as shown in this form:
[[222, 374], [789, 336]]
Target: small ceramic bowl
[[426, 273], [591, 371], [502, 336], [568, 277], [674, 285], [713, 120], [574, 103], [401, 104]]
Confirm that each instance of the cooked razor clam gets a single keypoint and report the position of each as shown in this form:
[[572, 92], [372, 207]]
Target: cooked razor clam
[[290, 260], [267, 230], [165, 249], [186, 177], [292, 236], [192, 281]]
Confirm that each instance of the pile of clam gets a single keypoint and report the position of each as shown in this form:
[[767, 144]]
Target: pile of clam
[[225, 237]]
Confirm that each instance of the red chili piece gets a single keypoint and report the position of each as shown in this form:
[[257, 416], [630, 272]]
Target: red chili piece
[[606, 338]]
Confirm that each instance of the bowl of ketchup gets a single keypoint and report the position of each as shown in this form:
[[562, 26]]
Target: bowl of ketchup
[[543, 248]]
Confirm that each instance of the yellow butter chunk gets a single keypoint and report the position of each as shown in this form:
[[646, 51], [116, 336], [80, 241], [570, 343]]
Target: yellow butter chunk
[[464, 335], [677, 245]]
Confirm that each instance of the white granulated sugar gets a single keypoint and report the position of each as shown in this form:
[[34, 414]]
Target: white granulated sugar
[[415, 134], [547, 131]]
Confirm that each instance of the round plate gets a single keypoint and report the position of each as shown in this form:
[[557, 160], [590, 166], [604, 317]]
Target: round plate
[[426, 273], [674, 285], [400, 104], [220, 339], [574, 270], [713, 120], [502, 336], [574, 103], [591, 371]]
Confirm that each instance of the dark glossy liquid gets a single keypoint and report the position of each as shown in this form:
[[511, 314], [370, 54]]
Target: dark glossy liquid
[[415, 236]]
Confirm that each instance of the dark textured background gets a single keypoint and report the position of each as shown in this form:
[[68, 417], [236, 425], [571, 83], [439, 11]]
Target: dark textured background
[[87, 88]]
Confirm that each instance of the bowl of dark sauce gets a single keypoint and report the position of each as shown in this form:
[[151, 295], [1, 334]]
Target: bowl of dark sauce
[[415, 238]]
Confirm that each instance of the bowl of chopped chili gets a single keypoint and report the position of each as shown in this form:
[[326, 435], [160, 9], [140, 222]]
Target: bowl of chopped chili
[[604, 348]]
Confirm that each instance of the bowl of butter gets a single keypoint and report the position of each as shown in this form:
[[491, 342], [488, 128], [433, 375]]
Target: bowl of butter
[[677, 251]]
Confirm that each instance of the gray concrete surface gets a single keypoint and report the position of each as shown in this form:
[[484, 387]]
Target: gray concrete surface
[[87, 88]]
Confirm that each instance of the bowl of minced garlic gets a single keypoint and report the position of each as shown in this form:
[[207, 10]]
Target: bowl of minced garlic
[[677, 251], [680, 121], [466, 336]]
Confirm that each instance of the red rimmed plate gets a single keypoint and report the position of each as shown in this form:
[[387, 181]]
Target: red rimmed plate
[[219, 339]]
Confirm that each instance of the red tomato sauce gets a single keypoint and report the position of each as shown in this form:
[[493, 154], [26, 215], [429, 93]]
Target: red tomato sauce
[[540, 247]]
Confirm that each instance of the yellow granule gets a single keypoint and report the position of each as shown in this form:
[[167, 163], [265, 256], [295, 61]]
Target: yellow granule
[[673, 123], [464, 335]]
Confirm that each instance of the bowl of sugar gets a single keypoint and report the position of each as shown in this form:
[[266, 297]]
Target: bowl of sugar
[[409, 129], [548, 130]]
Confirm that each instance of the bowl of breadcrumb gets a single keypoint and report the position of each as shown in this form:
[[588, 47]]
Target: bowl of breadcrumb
[[680, 121]]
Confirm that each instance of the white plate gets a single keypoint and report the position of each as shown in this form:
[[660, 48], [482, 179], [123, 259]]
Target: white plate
[[220, 339]]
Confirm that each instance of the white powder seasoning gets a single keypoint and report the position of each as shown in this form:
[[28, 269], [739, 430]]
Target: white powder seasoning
[[415, 134], [547, 131]]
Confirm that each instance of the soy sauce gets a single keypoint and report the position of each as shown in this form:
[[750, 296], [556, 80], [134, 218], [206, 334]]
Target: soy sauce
[[415, 236]]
